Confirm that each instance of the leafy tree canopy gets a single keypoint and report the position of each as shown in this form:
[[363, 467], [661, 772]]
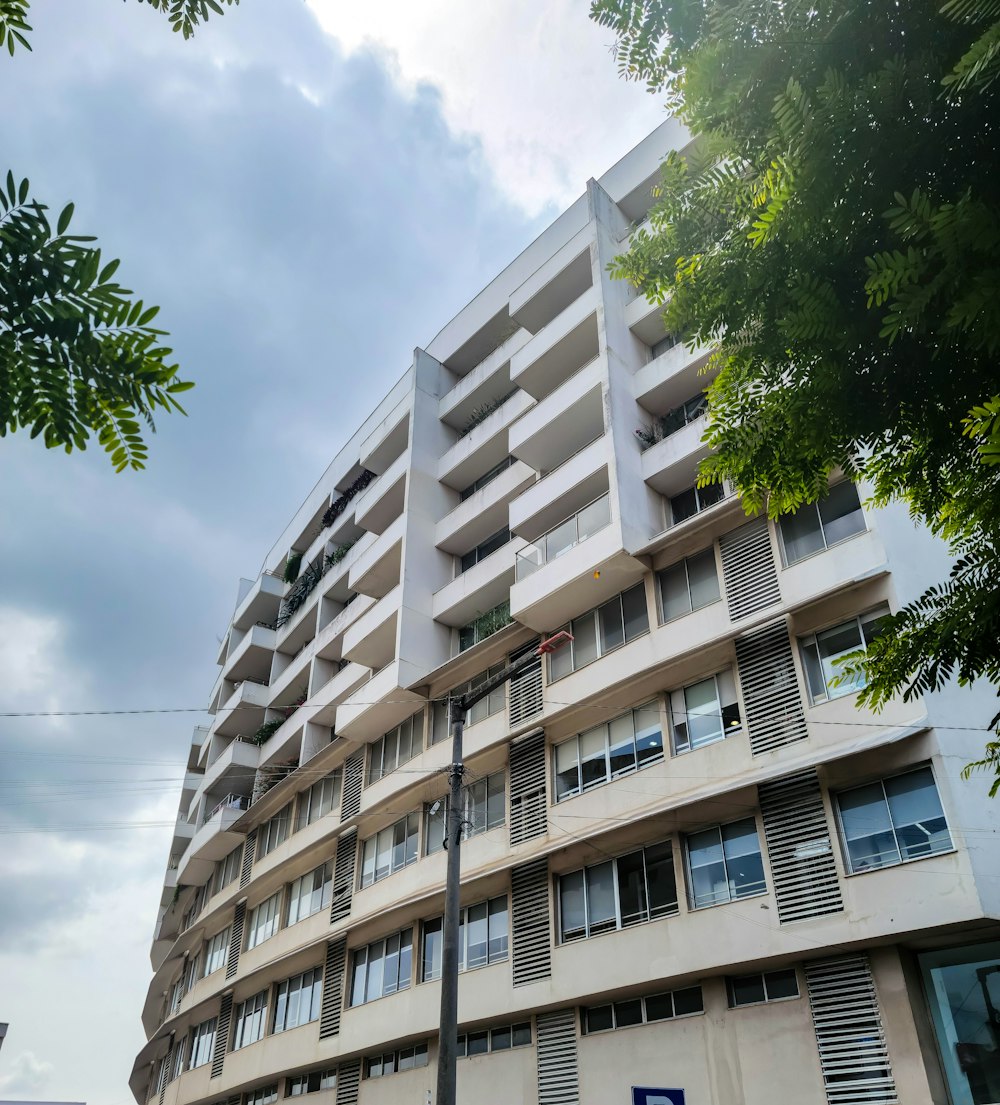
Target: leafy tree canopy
[[835, 229], [78, 354]]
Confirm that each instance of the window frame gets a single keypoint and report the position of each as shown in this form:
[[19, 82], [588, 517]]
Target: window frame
[[325, 1079], [226, 871], [311, 979], [586, 1010], [494, 794], [478, 555], [570, 650], [727, 728], [703, 501], [216, 946], [410, 855], [486, 478], [256, 1015], [610, 775], [274, 832], [693, 903], [426, 969], [275, 919], [416, 1056], [197, 1048], [404, 942], [312, 800], [731, 980], [685, 563], [377, 748], [462, 1043], [811, 641], [308, 894], [827, 545]]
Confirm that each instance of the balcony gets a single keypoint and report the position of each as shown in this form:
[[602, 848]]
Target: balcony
[[375, 571], [324, 702], [483, 512], [251, 658], [376, 706], [260, 604], [214, 840], [564, 422], [564, 491], [482, 587], [484, 446], [289, 684], [563, 537], [388, 440], [671, 465], [233, 768], [330, 639], [381, 503], [564, 277], [859, 558], [645, 319], [243, 711], [567, 343], [490, 377], [671, 377], [371, 640]]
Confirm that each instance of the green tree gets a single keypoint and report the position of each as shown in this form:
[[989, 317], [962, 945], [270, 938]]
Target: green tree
[[835, 229], [78, 354]]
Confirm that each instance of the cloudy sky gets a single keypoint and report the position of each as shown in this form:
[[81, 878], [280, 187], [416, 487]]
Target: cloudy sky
[[309, 189]]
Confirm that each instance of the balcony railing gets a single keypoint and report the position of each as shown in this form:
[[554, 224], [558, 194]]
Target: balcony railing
[[230, 802], [567, 535]]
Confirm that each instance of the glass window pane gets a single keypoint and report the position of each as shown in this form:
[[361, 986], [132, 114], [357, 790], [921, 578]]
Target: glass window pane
[[435, 826], [572, 910], [622, 745], [499, 928], [648, 733], [431, 960], [867, 828], [634, 612], [628, 1013], [746, 990], [560, 662], [358, 982], [594, 756], [840, 513], [916, 814], [707, 868], [814, 671], [478, 1043], [599, 1018], [477, 935], [405, 958], [632, 888], [801, 535], [521, 1035], [584, 640], [781, 984], [594, 517], [684, 506], [661, 881], [710, 495], [496, 800], [560, 540], [612, 628], [833, 644], [688, 1000], [500, 1039], [703, 579], [659, 1007], [602, 913], [704, 712], [567, 769], [743, 859], [675, 599]]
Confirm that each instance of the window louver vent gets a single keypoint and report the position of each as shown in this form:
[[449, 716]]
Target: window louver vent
[[558, 1078], [249, 848], [236, 939], [354, 777], [748, 569], [531, 940], [348, 1081], [852, 1050], [343, 876], [222, 1034], [528, 816], [770, 689], [333, 986], [526, 689], [168, 1062], [803, 870]]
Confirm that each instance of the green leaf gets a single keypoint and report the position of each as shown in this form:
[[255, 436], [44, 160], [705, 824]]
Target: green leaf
[[64, 219]]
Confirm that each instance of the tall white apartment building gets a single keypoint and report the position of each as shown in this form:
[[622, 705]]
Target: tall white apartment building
[[693, 871]]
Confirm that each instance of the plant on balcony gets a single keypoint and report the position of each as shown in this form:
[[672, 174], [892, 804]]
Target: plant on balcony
[[484, 410], [484, 626], [339, 505], [292, 565], [649, 434], [266, 731], [337, 555], [267, 776], [289, 710], [299, 593]]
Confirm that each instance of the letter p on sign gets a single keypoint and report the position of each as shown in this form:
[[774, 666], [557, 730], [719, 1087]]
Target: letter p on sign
[[654, 1095]]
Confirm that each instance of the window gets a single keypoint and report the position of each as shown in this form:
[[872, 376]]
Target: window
[[892, 821], [392, 1062], [758, 988], [688, 411], [297, 1000], [228, 869], [817, 526], [176, 993], [216, 950], [484, 808], [482, 938], [395, 748], [197, 905], [266, 1095], [486, 478], [600, 631], [484, 626], [264, 921], [483, 549], [693, 501], [318, 800], [390, 850], [193, 971], [312, 1082], [493, 703], [183, 1046], [273, 832], [704, 712], [202, 1042], [654, 1007], [724, 863], [688, 585], [250, 1020], [626, 891], [613, 748], [665, 343], [310, 893], [822, 651], [501, 1038], [384, 967]]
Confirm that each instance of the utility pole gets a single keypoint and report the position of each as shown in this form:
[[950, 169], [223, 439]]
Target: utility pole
[[454, 827]]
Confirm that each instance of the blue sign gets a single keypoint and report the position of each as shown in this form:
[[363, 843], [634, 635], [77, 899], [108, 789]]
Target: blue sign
[[648, 1095]]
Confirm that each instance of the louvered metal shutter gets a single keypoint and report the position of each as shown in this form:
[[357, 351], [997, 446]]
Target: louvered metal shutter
[[249, 849], [354, 775], [528, 803], [531, 942], [770, 690], [236, 939], [222, 1034], [558, 1078], [333, 988], [798, 844], [348, 1082], [168, 1062], [525, 689], [748, 570], [343, 876], [852, 1051]]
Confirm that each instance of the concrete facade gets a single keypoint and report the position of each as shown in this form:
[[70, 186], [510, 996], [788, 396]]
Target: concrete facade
[[692, 863]]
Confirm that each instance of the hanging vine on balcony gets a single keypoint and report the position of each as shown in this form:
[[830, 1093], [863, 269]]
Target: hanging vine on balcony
[[266, 731], [292, 565], [337, 555], [339, 505]]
